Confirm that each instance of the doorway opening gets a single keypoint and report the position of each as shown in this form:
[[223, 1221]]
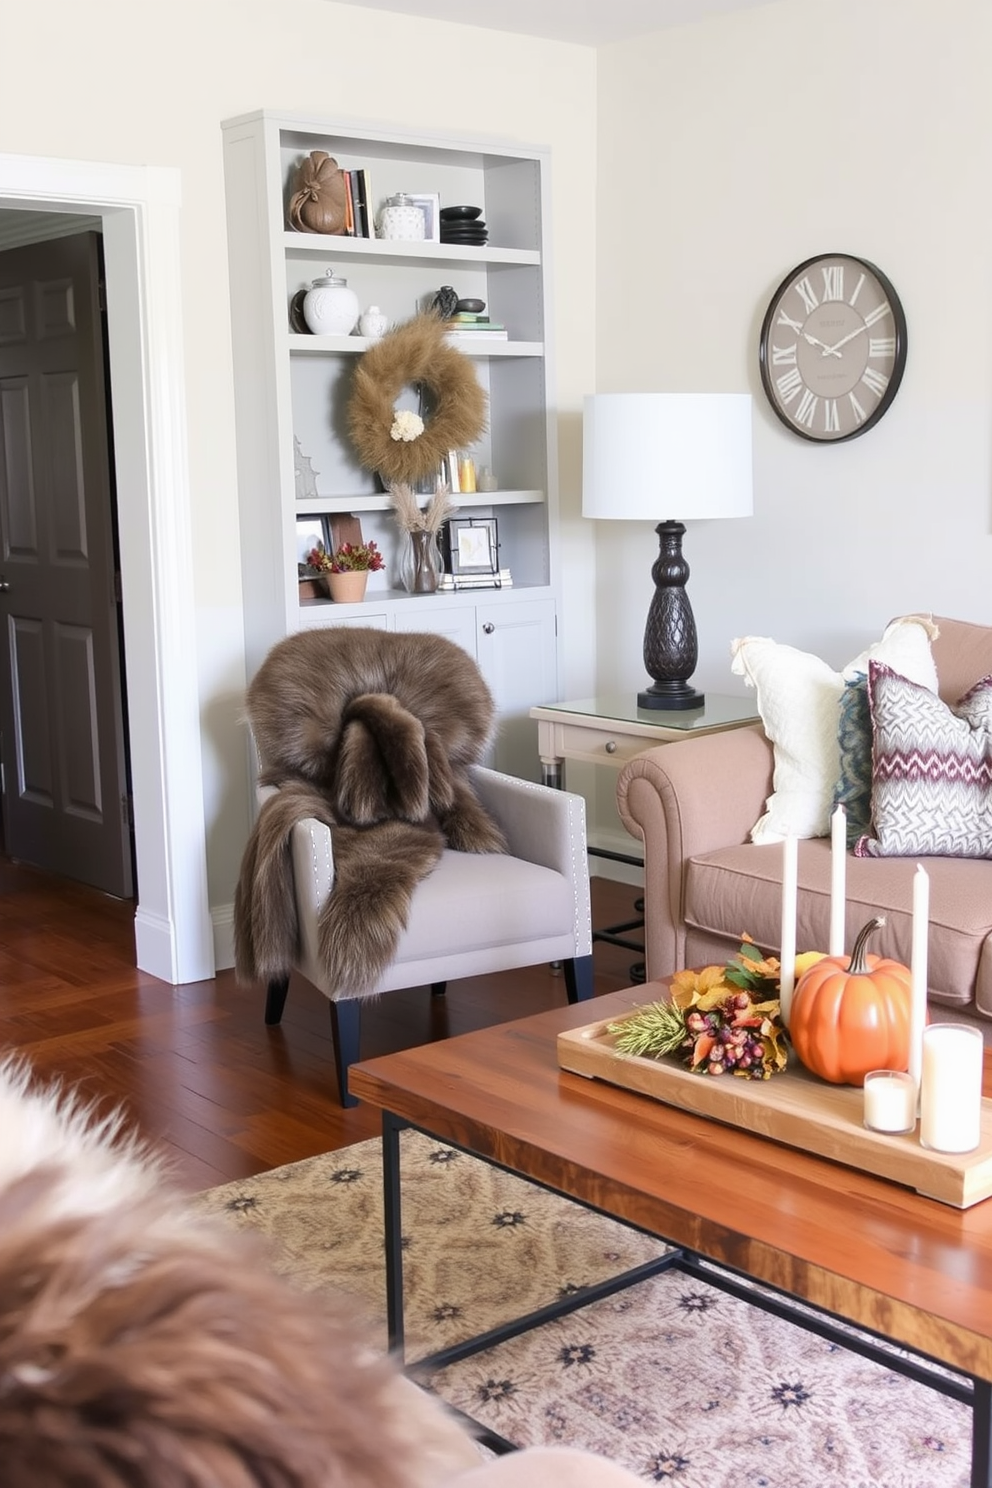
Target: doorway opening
[[139, 209]]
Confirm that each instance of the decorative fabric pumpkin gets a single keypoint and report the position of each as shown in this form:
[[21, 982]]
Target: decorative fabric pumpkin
[[319, 200], [849, 1017]]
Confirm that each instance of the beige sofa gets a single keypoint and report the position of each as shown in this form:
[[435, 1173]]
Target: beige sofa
[[694, 804]]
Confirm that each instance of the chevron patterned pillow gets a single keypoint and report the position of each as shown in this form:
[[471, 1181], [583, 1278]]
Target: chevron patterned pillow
[[853, 789], [931, 770]]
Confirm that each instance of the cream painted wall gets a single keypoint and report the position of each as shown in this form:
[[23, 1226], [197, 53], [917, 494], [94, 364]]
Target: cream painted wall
[[132, 83], [729, 151]]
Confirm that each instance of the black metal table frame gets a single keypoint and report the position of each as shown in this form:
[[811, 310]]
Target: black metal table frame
[[923, 1368]]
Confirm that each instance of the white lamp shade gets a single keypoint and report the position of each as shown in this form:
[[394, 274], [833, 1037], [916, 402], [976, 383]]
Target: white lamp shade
[[666, 456]]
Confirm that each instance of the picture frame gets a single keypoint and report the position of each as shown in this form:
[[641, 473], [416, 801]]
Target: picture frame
[[430, 204], [471, 546], [309, 532]]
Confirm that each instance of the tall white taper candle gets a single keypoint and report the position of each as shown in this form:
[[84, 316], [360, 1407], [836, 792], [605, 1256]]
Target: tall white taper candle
[[918, 969], [787, 975], [838, 879]]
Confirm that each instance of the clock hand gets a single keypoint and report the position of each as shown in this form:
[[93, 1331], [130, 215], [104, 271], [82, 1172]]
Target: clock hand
[[827, 350], [844, 340]]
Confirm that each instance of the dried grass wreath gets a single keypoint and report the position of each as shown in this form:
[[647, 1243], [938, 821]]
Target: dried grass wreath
[[415, 352]]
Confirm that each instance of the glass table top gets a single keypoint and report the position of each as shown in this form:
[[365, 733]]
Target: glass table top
[[717, 709]]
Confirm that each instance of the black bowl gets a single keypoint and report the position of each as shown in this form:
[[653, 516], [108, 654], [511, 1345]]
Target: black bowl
[[454, 214], [471, 307]]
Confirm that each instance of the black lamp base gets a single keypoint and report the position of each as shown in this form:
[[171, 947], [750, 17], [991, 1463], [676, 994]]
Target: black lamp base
[[672, 695], [670, 646]]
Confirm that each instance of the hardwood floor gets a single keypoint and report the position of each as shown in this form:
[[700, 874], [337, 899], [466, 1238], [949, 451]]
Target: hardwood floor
[[194, 1067]]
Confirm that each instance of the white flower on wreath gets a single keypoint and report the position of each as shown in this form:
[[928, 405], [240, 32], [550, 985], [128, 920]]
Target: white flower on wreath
[[406, 426]]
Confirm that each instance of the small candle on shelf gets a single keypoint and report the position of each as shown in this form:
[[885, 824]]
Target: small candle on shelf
[[466, 474], [890, 1101], [787, 973], [951, 1088], [918, 971], [838, 873]]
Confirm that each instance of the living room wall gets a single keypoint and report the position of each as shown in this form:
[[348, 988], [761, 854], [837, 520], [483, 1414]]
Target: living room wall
[[149, 84], [730, 151]]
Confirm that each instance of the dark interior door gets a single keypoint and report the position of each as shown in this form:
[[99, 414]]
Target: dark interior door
[[63, 740]]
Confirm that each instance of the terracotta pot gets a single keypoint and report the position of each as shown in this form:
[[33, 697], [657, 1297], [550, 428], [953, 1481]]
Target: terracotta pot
[[348, 588]]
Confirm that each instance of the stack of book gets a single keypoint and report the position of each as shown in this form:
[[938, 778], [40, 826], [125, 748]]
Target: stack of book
[[501, 580], [463, 324], [358, 204]]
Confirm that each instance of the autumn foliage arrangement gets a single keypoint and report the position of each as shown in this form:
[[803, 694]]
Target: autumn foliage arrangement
[[348, 558], [721, 1020]]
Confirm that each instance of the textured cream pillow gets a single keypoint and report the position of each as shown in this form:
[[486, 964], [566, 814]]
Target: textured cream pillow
[[799, 703]]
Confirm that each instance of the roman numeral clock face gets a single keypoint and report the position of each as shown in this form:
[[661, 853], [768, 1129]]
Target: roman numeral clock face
[[833, 348]]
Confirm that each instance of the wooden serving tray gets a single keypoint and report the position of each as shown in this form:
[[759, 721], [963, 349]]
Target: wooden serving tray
[[794, 1107]]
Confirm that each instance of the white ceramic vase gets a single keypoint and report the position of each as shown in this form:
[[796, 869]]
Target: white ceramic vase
[[401, 219], [373, 323], [330, 308]]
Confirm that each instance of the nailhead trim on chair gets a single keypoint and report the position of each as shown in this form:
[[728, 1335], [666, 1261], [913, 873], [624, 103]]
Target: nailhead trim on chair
[[573, 809]]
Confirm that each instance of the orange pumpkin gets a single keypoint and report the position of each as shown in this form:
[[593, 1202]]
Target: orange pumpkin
[[852, 1016]]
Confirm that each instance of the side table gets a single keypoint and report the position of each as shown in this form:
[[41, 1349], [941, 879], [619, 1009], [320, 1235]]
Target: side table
[[611, 730]]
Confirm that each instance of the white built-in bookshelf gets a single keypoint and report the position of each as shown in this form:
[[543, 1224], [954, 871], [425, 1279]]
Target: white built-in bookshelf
[[292, 390]]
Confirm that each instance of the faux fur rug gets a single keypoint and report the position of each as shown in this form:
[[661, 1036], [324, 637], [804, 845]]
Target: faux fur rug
[[674, 1379]]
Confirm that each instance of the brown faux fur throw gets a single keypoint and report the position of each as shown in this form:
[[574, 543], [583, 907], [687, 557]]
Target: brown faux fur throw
[[145, 1346], [371, 732]]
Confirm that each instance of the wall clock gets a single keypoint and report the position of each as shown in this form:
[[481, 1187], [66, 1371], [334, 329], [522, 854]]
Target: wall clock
[[833, 347]]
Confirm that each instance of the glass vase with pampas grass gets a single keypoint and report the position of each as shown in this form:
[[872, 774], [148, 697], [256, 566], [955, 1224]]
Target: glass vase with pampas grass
[[420, 556]]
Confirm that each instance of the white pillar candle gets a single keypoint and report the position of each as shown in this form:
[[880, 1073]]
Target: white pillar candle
[[787, 973], [918, 970], [890, 1101], [951, 1088], [838, 874]]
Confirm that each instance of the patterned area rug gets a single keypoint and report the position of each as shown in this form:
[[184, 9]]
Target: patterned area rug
[[677, 1381]]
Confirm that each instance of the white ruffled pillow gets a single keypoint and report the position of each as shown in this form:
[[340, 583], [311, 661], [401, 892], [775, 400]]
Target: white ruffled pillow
[[799, 703]]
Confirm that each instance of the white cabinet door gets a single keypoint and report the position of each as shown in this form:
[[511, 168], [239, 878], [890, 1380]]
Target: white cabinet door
[[516, 647], [457, 622], [518, 655]]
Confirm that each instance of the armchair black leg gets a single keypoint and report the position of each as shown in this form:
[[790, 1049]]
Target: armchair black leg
[[275, 1000], [346, 1028], [438, 989], [578, 978]]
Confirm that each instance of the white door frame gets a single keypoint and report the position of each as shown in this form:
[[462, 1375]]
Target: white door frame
[[140, 208]]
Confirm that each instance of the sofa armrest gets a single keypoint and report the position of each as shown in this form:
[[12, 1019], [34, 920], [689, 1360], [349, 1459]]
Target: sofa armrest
[[545, 826], [682, 799]]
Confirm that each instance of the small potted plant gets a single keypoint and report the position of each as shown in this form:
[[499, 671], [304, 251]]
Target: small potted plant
[[347, 569]]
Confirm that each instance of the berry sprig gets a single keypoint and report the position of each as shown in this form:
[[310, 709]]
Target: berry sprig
[[721, 1020]]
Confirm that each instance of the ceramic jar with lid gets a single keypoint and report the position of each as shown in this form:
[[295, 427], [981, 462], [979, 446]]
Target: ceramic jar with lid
[[372, 323], [330, 308], [401, 219]]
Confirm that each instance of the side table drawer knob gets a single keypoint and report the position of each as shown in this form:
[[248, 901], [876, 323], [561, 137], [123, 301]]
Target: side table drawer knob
[[611, 746]]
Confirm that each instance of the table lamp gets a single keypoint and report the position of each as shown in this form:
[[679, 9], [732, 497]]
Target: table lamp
[[684, 453]]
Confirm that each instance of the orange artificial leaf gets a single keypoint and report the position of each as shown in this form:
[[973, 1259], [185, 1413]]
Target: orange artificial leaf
[[701, 1050], [689, 986]]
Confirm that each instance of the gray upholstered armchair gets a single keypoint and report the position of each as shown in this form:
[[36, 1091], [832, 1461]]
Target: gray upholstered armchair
[[474, 912], [384, 855]]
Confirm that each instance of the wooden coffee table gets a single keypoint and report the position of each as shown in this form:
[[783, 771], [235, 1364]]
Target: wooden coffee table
[[915, 1272]]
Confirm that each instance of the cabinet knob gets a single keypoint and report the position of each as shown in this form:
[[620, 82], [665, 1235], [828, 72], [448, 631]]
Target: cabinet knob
[[611, 746], [488, 628], [4, 586]]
